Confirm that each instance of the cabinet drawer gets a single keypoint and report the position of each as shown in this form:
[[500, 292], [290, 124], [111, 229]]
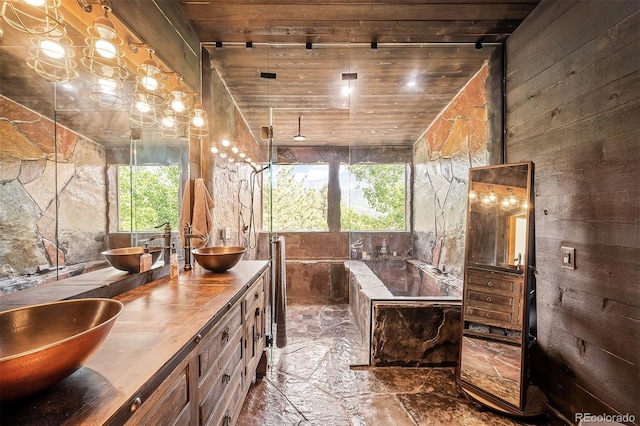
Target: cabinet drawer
[[220, 390], [169, 404], [253, 298], [220, 365], [496, 300], [217, 340], [492, 284], [486, 316], [228, 412]]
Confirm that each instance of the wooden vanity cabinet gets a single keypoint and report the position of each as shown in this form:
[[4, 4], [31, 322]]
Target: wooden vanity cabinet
[[209, 385]]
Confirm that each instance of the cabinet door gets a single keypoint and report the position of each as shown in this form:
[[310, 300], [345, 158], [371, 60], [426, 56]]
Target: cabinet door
[[216, 341], [169, 404], [254, 329], [216, 392]]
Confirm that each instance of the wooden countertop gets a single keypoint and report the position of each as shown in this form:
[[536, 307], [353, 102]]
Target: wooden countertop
[[159, 320]]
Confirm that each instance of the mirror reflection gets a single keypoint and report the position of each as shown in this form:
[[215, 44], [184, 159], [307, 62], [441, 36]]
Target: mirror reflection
[[494, 334], [492, 365], [498, 217], [79, 173]]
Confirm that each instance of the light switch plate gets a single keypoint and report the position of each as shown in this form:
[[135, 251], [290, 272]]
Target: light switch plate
[[568, 257]]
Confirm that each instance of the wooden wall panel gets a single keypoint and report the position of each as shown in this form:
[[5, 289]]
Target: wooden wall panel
[[560, 35], [573, 108]]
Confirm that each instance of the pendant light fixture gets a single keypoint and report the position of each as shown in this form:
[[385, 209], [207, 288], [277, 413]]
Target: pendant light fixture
[[299, 136], [52, 58], [107, 93], [178, 102], [198, 125], [169, 127], [104, 55], [148, 97], [38, 18]]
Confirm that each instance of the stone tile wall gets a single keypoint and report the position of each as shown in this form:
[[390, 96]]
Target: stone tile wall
[[35, 155], [457, 140]]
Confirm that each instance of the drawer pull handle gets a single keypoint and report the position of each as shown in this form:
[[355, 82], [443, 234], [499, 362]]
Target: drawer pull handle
[[135, 404], [198, 338], [225, 334], [256, 296], [227, 419], [226, 378], [488, 299], [489, 283], [488, 315], [257, 312], [256, 338]]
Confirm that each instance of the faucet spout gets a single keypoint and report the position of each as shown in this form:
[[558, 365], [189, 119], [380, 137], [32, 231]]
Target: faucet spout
[[167, 241], [188, 235]]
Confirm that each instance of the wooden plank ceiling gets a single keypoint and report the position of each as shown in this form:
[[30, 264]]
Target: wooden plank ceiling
[[424, 53]]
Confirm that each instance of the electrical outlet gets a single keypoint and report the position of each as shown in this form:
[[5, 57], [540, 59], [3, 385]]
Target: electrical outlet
[[568, 256], [227, 233]]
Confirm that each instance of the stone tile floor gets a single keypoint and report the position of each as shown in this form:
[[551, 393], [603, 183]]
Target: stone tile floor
[[319, 378]]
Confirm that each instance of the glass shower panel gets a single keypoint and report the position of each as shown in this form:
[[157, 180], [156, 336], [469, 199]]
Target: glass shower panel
[[28, 161]]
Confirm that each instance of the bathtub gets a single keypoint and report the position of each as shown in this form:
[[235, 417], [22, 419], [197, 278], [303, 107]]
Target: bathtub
[[408, 313]]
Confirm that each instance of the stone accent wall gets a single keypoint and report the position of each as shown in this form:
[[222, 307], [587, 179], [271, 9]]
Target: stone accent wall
[[49, 176], [457, 140], [235, 187]]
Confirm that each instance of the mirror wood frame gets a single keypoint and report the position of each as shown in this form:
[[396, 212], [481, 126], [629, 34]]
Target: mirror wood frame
[[514, 285]]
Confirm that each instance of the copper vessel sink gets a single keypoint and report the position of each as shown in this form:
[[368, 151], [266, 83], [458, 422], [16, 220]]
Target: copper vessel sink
[[128, 258], [218, 259], [43, 344]]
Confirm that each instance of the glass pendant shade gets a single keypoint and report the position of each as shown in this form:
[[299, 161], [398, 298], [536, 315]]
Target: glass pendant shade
[[38, 18], [142, 115], [198, 126], [178, 102], [169, 127], [104, 56], [149, 87], [107, 93], [473, 196], [53, 59]]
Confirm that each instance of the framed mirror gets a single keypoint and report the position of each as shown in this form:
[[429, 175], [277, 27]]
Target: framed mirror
[[498, 324]]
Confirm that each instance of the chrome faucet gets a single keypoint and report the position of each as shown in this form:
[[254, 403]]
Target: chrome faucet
[[187, 245], [167, 241]]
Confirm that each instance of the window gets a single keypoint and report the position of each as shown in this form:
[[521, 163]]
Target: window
[[376, 197], [147, 197], [298, 198], [373, 197]]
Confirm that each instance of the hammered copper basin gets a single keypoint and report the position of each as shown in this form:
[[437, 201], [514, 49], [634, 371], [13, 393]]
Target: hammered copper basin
[[43, 344], [218, 259], [128, 258]]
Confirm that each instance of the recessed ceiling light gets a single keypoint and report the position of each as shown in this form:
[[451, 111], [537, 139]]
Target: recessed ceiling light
[[411, 83], [346, 90]]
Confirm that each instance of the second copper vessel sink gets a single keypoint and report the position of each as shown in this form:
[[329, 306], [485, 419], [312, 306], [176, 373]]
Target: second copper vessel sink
[[219, 258]]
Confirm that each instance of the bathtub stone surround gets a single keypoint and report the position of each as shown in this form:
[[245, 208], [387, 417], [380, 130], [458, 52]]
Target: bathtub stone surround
[[35, 154], [463, 136], [403, 331], [415, 334]]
